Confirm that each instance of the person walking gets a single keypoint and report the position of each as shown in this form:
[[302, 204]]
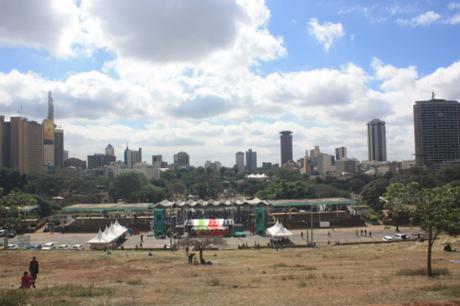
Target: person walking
[[34, 270]]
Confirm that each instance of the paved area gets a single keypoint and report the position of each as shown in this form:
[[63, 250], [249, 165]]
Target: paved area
[[320, 237]]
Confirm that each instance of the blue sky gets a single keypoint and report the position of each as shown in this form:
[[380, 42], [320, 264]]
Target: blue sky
[[170, 76]]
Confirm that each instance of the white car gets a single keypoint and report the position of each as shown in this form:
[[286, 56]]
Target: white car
[[49, 246], [78, 247], [395, 237], [12, 246], [63, 247]]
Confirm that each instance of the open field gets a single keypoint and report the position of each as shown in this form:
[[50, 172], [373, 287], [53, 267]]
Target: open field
[[340, 275]]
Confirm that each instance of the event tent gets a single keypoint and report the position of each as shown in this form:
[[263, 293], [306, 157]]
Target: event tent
[[278, 231], [105, 238]]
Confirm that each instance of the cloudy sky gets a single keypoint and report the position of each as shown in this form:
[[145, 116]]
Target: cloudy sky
[[215, 77]]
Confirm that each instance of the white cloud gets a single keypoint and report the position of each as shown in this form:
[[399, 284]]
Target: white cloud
[[51, 25], [424, 19], [325, 33], [453, 20], [454, 5]]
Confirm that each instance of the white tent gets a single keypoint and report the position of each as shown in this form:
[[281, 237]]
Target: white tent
[[108, 236], [278, 230]]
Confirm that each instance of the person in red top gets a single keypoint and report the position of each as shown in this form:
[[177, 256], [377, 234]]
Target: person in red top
[[26, 281]]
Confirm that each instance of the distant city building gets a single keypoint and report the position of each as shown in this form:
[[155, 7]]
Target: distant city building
[[99, 160], [324, 163], [48, 142], [407, 164], [21, 145], [266, 166], [286, 146], [59, 148], [380, 168], [215, 166], [181, 160], [117, 168], [340, 153], [66, 155], [437, 132], [346, 166], [109, 150], [376, 140], [315, 152], [132, 157], [75, 162], [239, 161], [251, 161], [157, 161], [50, 107]]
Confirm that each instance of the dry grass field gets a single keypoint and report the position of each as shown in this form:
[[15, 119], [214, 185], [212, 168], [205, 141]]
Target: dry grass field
[[383, 274]]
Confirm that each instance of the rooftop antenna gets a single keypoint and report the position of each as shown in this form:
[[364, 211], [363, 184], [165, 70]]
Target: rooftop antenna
[[432, 95]]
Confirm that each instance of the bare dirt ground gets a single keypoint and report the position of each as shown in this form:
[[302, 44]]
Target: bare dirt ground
[[336, 275]]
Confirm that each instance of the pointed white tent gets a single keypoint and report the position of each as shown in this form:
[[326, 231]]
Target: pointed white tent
[[278, 230], [110, 234]]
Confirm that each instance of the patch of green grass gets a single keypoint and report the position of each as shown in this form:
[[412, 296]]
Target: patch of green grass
[[134, 282], [422, 272], [73, 291], [14, 297], [452, 291]]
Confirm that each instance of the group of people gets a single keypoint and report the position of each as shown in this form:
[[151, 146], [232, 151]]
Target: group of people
[[364, 233], [28, 280]]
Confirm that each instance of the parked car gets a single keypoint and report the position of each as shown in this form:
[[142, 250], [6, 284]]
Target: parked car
[[11, 234], [63, 247], [12, 246], [49, 246], [395, 237], [78, 247], [2, 232], [33, 246]]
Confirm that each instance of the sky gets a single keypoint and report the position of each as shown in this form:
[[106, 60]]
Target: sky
[[216, 77]]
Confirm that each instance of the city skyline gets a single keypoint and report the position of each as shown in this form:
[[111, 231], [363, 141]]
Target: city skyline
[[226, 84]]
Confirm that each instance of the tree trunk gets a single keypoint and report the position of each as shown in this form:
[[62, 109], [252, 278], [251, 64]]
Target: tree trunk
[[430, 245], [201, 256]]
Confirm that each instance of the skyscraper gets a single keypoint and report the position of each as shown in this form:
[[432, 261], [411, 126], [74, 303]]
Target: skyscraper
[[376, 140], [59, 148], [132, 157], [251, 161], [18, 143], [182, 160], [340, 153], [50, 107], [48, 142], [437, 132], [286, 146], [109, 150], [239, 161], [4, 142], [34, 147], [157, 161]]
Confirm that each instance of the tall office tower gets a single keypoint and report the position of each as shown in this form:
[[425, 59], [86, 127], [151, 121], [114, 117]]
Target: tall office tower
[[18, 143], [239, 161], [59, 148], [315, 152], [109, 150], [133, 157], [50, 107], [157, 161], [306, 164], [251, 161], [340, 153], [376, 140], [437, 132], [324, 163], [182, 160], [99, 160], [48, 142], [34, 147], [66, 155], [286, 146], [4, 142]]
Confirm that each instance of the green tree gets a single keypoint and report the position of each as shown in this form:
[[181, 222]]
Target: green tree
[[437, 210], [128, 186], [11, 179], [397, 198], [372, 192]]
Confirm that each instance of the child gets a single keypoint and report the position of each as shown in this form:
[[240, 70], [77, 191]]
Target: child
[[26, 280]]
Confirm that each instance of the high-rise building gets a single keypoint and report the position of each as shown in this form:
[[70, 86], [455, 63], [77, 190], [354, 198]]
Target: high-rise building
[[18, 143], [346, 166], [315, 152], [157, 161], [215, 166], [48, 142], [437, 132], [132, 157], [251, 161], [34, 147], [50, 107], [239, 161], [59, 148], [181, 160], [340, 153], [324, 163], [376, 140], [4, 142], [109, 150], [66, 155], [286, 146], [98, 160]]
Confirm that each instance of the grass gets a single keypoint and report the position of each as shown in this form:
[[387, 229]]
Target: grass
[[349, 275], [422, 272]]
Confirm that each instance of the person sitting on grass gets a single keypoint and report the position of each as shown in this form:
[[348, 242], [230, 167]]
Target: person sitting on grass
[[26, 281]]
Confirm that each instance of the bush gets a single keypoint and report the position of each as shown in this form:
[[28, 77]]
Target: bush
[[15, 297]]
